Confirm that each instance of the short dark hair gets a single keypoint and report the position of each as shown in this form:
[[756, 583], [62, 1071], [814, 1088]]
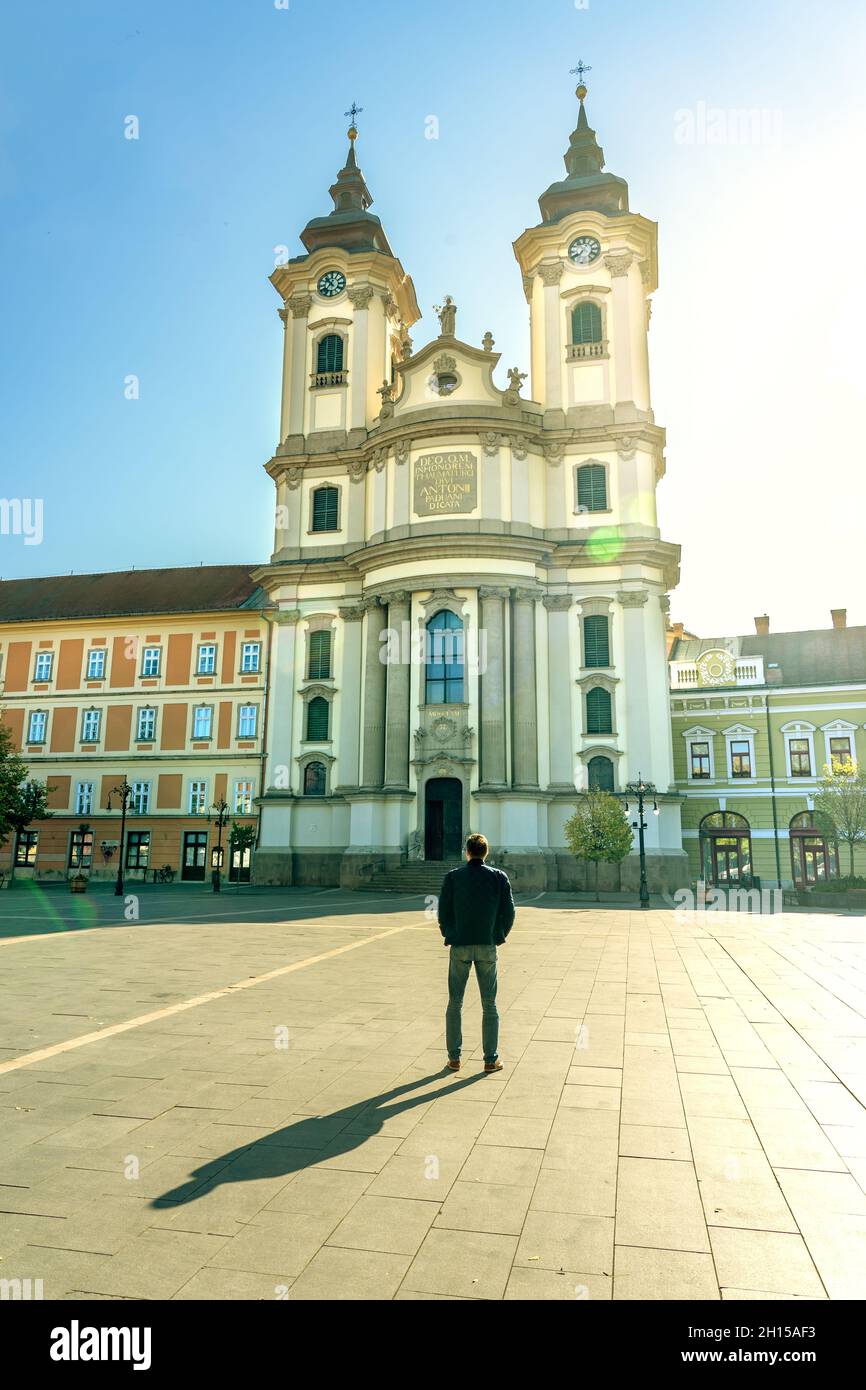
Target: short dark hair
[[477, 846]]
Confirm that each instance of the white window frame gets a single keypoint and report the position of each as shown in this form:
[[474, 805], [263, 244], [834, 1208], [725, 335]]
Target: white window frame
[[92, 655], [255, 714], [140, 804], [41, 657], [196, 711], [255, 650], [89, 715], [700, 735], [139, 736], [244, 810], [800, 730], [740, 733], [206, 670], [197, 797], [84, 798], [146, 655], [840, 728], [37, 714]]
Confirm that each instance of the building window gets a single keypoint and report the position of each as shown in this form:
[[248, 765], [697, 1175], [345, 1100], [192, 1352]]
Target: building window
[[80, 849], [247, 720], [25, 849], [44, 663], [96, 664], [699, 760], [137, 849], [146, 730], [592, 488], [150, 661], [840, 751], [801, 757], [444, 681], [36, 726], [726, 849], [319, 666], [326, 509], [315, 779], [318, 720], [202, 721], [596, 641], [140, 804], [599, 711], [206, 660], [91, 722], [813, 859], [250, 657], [600, 774], [83, 798], [586, 326], [741, 758], [329, 355], [197, 798], [243, 798]]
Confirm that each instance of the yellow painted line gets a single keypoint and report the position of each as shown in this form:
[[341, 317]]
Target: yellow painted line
[[57, 1049]]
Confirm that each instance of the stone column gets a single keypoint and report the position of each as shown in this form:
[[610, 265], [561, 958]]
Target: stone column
[[374, 696], [638, 713], [524, 688], [281, 702], [399, 672], [360, 295], [492, 687], [294, 422], [619, 264], [349, 732], [554, 347], [559, 679]]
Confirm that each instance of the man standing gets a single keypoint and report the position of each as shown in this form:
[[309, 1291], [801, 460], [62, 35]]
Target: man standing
[[476, 913]]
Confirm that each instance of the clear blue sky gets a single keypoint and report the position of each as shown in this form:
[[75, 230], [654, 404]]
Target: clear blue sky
[[152, 256]]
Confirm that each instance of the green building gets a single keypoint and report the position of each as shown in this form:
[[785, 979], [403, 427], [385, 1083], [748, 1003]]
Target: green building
[[755, 721]]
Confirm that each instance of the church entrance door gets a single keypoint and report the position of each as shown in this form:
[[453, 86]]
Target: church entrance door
[[443, 818]]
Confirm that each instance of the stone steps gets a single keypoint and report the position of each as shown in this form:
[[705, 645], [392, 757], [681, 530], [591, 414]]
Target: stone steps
[[424, 878]]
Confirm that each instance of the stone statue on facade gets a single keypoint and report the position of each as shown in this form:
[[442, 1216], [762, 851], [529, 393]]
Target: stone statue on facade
[[447, 312]]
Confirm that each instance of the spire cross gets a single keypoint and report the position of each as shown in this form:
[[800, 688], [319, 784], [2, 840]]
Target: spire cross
[[578, 72], [354, 111]]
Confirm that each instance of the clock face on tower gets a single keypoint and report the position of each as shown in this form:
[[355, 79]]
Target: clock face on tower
[[333, 282], [584, 250]]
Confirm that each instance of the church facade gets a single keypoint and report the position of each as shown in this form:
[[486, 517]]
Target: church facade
[[467, 594]]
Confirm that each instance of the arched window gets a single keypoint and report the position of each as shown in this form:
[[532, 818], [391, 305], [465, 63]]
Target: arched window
[[444, 677], [318, 720], [319, 667], [600, 774], [326, 509], [596, 641], [315, 779], [599, 711], [329, 356], [726, 849], [592, 488], [586, 323], [813, 858]]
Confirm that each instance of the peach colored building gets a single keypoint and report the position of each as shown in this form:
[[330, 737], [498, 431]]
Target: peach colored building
[[158, 676]]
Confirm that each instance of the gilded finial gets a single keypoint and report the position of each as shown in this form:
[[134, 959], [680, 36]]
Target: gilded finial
[[354, 111], [581, 89]]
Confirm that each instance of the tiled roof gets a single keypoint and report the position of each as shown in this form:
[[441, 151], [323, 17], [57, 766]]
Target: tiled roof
[[823, 656], [198, 589]]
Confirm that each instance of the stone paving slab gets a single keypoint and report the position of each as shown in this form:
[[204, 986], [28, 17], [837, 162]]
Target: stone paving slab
[[682, 1114]]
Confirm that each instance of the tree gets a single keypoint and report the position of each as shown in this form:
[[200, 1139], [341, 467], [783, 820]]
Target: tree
[[598, 831], [22, 800], [840, 806], [241, 838]]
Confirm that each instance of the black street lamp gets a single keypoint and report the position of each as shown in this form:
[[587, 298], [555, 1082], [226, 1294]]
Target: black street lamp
[[127, 796], [220, 817], [639, 791]]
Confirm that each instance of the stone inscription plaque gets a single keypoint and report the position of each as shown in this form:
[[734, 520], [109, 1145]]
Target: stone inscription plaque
[[446, 483]]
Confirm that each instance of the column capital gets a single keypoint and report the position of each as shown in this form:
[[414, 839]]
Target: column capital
[[619, 262], [525, 595], [558, 603], [287, 617], [551, 272], [488, 591], [632, 598], [360, 295], [300, 305], [370, 602], [399, 597], [352, 614]]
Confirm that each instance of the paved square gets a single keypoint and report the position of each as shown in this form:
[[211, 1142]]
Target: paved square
[[243, 1098]]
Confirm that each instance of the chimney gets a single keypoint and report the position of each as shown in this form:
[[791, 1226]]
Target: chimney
[[839, 616], [762, 625]]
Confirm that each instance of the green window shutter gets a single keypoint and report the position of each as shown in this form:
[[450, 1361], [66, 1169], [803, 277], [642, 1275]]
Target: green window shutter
[[318, 712], [600, 774], [586, 324], [596, 641], [326, 509], [329, 357], [592, 488], [598, 711], [320, 656]]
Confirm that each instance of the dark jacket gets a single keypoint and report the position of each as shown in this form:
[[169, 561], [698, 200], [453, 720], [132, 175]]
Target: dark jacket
[[475, 906]]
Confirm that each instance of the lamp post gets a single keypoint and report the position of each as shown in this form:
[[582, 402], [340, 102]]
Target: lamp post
[[639, 791], [220, 815], [126, 793]]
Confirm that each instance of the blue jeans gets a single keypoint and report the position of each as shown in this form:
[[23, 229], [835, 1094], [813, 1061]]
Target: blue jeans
[[462, 959]]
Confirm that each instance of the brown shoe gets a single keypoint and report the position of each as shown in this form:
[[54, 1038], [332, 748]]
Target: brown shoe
[[453, 1064], [493, 1066]]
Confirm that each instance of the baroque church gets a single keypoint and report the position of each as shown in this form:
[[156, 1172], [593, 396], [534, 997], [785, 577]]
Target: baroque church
[[468, 589]]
